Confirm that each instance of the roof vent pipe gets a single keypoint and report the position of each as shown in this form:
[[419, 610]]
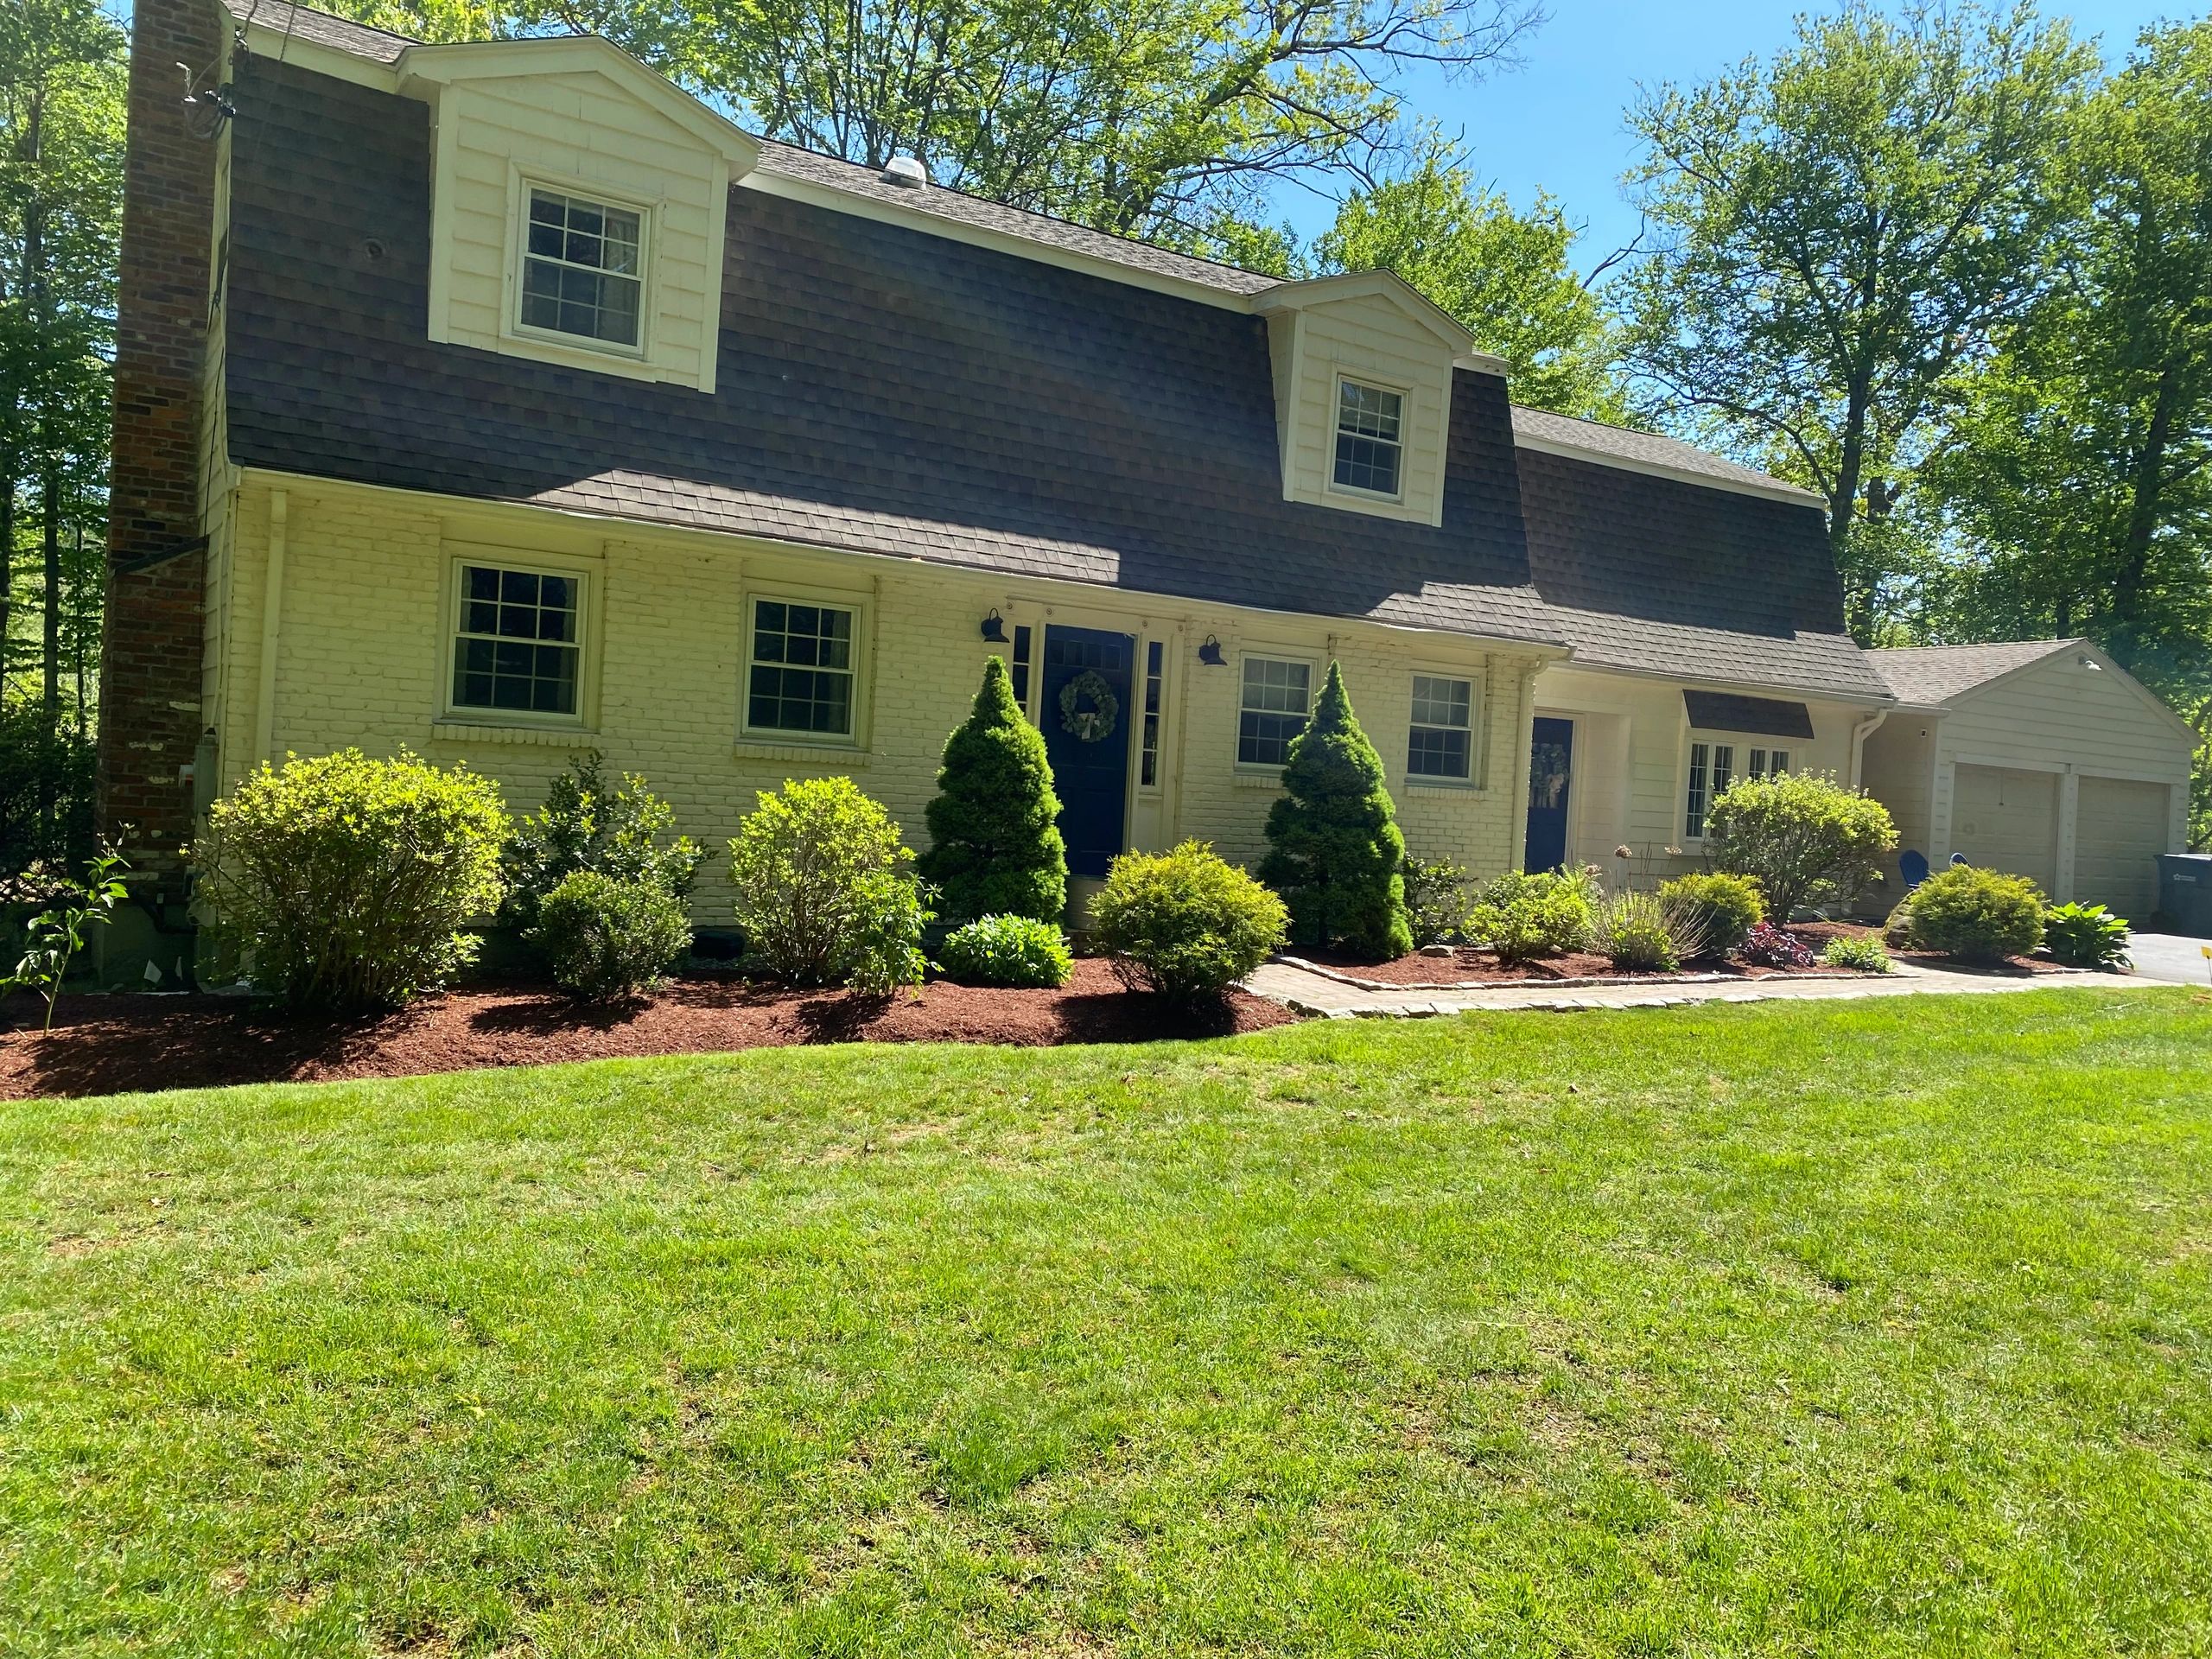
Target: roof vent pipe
[[906, 172]]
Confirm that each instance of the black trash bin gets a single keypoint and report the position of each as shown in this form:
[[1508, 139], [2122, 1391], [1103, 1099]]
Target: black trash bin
[[2185, 892]]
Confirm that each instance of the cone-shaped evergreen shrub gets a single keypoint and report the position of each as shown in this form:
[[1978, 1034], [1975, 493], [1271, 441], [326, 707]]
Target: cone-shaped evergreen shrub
[[1337, 857], [994, 825]]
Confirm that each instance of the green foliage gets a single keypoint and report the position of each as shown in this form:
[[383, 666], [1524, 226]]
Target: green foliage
[[1837, 232], [995, 846], [2085, 935], [1167, 121], [586, 825], [1801, 835], [1723, 908], [1336, 854], [823, 893], [1522, 917], [607, 938], [46, 788], [1019, 951], [53, 936], [345, 881], [1185, 924], [1977, 915], [1864, 951], [1506, 276], [1645, 932], [1436, 901]]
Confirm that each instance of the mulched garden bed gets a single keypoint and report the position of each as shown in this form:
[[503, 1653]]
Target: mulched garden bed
[[1469, 966], [109, 1044]]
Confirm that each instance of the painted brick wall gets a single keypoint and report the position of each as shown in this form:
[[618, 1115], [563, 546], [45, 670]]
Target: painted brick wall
[[150, 657], [363, 652]]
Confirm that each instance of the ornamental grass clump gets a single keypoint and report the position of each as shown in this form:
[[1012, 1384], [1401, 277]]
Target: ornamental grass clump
[[1801, 835], [1645, 932], [1185, 924], [1336, 856], [346, 882], [608, 940], [995, 846], [824, 896], [1974, 915], [1018, 952]]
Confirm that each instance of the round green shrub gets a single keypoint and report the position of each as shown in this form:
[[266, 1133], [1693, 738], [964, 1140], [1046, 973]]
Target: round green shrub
[[1803, 837], [1185, 924], [823, 893], [1976, 915], [1436, 901], [1866, 953], [607, 939], [1723, 908], [1522, 917], [995, 846], [1336, 852], [1018, 951], [345, 881], [620, 829]]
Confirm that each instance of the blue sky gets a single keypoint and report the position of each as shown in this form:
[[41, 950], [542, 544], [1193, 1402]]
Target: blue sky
[[1555, 123]]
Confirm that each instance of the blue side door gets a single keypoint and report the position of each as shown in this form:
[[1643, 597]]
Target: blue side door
[[1089, 753]]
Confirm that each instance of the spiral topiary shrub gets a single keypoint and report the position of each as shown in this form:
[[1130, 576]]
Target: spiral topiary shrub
[[1976, 915], [1017, 951], [607, 939], [347, 882], [1185, 924]]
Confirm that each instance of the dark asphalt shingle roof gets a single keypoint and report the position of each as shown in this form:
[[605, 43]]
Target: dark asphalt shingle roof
[[1653, 449], [1935, 674], [885, 389]]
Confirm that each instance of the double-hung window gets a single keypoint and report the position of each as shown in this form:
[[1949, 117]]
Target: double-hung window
[[800, 674], [1767, 763], [583, 269], [1277, 697], [517, 642], [1371, 446], [1442, 740], [1713, 768]]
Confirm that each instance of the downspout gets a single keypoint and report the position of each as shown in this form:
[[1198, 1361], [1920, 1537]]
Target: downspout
[[272, 607], [1867, 726]]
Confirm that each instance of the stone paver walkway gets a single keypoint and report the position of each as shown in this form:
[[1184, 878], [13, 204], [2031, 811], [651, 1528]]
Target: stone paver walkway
[[1315, 994]]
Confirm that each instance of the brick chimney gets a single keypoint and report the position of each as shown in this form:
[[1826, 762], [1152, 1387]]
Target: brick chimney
[[150, 715]]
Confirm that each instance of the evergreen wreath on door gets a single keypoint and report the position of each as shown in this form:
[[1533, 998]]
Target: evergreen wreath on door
[[1095, 723]]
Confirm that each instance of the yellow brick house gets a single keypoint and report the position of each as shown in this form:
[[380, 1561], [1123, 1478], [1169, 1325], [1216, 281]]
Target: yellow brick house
[[501, 400]]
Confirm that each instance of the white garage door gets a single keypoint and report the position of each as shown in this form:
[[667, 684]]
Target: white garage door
[[2119, 829], [2005, 819]]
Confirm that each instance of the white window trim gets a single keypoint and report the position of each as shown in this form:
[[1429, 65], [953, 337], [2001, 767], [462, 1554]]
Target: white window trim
[[1146, 644], [1267, 654], [586, 576], [1405, 397], [577, 348], [863, 657], [1473, 680], [1740, 766]]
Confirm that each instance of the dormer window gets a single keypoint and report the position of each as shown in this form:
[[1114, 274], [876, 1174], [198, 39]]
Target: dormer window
[[582, 269], [1370, 447]]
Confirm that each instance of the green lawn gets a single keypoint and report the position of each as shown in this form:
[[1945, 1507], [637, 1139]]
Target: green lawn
[[1853, 1328]]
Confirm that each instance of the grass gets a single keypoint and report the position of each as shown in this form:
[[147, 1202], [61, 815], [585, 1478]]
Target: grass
[[1827, 1328]]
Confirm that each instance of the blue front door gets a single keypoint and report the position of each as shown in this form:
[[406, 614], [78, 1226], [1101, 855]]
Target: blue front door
[[1088, 738], [1551, 757]]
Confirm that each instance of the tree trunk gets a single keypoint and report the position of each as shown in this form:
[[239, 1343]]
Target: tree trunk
[[2146, 492], [1858, 594], [7, 568], [50, 506]]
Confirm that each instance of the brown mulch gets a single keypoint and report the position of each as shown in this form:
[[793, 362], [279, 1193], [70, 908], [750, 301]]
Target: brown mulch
[[1468, 966], [109, 1044]]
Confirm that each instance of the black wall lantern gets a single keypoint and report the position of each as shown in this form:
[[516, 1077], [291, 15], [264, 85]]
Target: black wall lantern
[[994, 630], [1210, 654]]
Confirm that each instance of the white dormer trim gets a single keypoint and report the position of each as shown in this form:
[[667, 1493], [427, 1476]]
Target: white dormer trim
[[1393, 290]]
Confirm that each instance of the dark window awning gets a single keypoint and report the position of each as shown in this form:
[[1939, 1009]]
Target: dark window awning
[[1721, 711]]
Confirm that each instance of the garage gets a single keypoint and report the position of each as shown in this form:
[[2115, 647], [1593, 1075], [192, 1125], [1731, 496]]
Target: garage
[[2041, 757], [2120, 831], [2006, 818]]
